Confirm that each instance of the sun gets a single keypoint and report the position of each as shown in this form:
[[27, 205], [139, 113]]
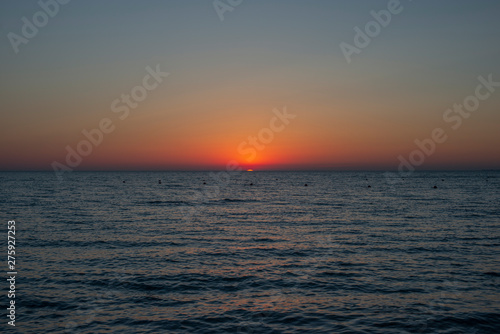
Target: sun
[[249, 170]]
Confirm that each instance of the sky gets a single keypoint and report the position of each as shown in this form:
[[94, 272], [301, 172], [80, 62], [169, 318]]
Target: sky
[[262, 84]]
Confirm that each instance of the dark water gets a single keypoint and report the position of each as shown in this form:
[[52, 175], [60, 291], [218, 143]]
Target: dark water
[[96, 255]]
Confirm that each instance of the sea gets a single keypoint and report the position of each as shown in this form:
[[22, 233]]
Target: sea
[[253, 252]]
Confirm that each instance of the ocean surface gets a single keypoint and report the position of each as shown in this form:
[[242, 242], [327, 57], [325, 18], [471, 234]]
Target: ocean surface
[[254, 252]]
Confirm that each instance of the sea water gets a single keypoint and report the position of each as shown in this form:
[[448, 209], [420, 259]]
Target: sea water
[[254, 252]]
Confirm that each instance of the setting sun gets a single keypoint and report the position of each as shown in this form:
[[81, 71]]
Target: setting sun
[[126, 127]]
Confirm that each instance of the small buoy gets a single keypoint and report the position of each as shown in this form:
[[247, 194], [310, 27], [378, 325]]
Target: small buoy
[[442, 179], [123, 181], [159, 181], [204, 183], [251, 184], [369, 186], [435, 187], [305, 185]]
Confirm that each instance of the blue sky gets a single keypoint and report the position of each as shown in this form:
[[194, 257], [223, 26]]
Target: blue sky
[[264, 54]]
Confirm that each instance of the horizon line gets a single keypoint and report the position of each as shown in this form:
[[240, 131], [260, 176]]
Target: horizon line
[[262, 170]]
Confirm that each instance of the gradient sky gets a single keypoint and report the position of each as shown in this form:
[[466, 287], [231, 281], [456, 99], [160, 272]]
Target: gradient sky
[[227, 76]]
